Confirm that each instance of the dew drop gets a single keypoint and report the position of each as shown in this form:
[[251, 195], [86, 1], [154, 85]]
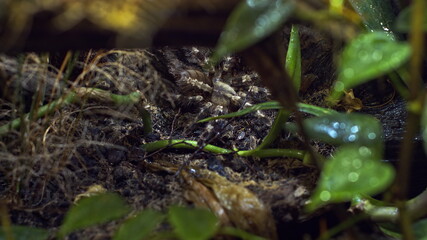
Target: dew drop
[[348, 73], [352, 138], [364, 151], [372, 136], [357, 163], [325, 196], [364, 55], [332, 133], [241, 135], [377, 56], [353, 177], [354, 129], [251, 3], [339, 86], [335, 125]]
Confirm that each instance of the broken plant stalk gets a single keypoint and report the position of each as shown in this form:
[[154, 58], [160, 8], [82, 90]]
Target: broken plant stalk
[[76, 95]]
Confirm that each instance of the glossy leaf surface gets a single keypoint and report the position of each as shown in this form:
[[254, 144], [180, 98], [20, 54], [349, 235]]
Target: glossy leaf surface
[[93, 210], [293, 58], [193, 224], [376, 15], [353, 170], [251, 21], [403, 21], [367, 57], [140, 226], [341, 128], [26, 232]]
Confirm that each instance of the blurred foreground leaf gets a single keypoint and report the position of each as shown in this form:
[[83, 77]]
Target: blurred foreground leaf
[[93, 210], [341, 128], [366, 57], [250, 22], [403, 21], [353, 170], [419, 227], [25, 232], [193, 224], [240, 233], [139, 226], [377, 15]]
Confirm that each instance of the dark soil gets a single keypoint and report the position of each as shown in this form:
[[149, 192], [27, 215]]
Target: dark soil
[[48, 162]]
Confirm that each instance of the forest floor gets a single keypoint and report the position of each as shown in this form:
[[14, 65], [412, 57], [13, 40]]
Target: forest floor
[[46, 163]]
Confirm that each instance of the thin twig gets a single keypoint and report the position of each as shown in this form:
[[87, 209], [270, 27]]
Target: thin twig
[[415, 106]]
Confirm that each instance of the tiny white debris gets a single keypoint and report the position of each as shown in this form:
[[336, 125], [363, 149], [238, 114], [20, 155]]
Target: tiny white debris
[[300, 191], [195, 50], [259, 114], [246, 78], [209, 127], [248, 104], [253, 89]]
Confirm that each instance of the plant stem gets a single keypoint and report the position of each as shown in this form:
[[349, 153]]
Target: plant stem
[[341, 227], [146, 119], [293, 153], [380, 212], [376, 210], [189, 144], [417, 207], [185, 144], [276, 127], [415, 106], [42, 111], [5, 221]]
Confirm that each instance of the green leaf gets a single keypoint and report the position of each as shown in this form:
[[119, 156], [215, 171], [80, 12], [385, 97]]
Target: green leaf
[[281, 117], [403, 21], [353, 170], [25, 232], [376, 15], [307, 108], [342, 128], [235, 232], [93, 210], [419, 228], [293, 58], [193, 224], [250, 22], [367, 57], [139, 226]]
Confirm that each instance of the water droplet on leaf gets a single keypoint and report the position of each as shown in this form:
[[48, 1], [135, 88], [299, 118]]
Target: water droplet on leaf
[[325, 196], [353, 177]]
